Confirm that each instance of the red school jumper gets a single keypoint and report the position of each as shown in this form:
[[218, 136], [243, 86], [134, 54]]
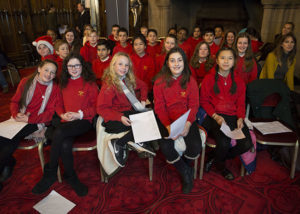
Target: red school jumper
[[111, 102], [214, 49], [188, 50], [36, 102], [78, 95], [247, 77], [199, 73], [50, 57], [193, 42], [144, 68], [120, 48], [59, 61], [224, 102], [172, 102], [255, 44], [98, 67], [154, 50], [88, 52], [159, 62]]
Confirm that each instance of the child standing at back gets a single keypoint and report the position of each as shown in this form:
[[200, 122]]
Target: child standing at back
[[209, 36], [153, 46], [222, 96], [123, 45], [89, 50], [62, 50], [103, 60]]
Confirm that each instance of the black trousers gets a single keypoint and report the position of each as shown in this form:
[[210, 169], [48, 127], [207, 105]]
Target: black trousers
[[8, 146], [192, 141], [62, 143], [223, 149]]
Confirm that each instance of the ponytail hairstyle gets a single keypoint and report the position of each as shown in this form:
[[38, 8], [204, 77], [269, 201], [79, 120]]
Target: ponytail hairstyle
[[279, 51], [249, 58], [166, 73], [209, 63], [22, 101], [87, 74], [233, 85]]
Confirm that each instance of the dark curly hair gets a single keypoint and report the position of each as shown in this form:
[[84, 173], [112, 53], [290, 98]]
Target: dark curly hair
[[87, 73]]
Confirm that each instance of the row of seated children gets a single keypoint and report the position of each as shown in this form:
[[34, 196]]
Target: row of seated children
[[76, 101]]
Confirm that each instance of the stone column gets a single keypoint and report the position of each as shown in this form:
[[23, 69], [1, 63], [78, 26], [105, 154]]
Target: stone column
[[159, 15], [276, 14]]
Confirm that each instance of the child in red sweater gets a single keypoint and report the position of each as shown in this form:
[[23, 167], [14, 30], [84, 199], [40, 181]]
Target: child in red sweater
[[115, 106], [123, 45], [103, 60], [76, 108], [195, 38], [209, 36], [182, 42], [44, 47], [222, 96], [219, 34], [201, 62], [143, 64], [169, 43], [229, 39], [62, 50], [153, 47], [175, 92], [89, 50], [34, 104], [246, 67]]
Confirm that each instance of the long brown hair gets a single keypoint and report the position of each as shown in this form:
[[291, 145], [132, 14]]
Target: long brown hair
[[249, 58], [209, 63], [279, 51], [87, 73], [22, 101], [224, 42], [166, 73]]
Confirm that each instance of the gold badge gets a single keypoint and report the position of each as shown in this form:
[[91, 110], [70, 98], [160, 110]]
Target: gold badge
[[81, 93], [183, 93], [145, 67]]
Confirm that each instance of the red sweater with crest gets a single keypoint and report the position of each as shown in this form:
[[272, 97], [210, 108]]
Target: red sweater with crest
[[98, 68], [88, 52]]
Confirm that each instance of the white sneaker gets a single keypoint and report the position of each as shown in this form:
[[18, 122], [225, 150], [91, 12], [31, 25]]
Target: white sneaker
[[142, 147]]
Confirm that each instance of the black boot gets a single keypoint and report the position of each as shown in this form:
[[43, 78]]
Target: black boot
[[49, 178], [79, 188], [209, 164], [7, 170], [186, 173]]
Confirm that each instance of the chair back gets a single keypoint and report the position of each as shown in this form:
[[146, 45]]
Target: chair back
[[272, 100]]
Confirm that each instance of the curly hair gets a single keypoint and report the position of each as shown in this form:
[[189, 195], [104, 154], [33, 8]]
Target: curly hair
[[249, 58], [87, 73], [166, 73], [111, 78], [209, 63]]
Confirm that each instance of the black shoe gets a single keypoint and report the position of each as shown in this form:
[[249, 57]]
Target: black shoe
[[118, 152], [7, 170], [49, 178], [77, 186], [188, 180], [208, 165], [227, 174], [142, 147]]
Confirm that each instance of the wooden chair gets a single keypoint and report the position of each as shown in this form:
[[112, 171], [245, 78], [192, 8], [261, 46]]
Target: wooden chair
[[12, 73]]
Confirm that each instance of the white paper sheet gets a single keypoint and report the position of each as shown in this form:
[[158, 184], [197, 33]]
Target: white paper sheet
[[54, 203], [235, 134], [144, 127], [10, 128], [177, 126], [271, 127]]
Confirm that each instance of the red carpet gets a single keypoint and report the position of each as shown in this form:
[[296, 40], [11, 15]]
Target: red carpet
[[268, 190]]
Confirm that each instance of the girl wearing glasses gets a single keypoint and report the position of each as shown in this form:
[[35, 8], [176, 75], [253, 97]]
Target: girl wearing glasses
[[76, 108]]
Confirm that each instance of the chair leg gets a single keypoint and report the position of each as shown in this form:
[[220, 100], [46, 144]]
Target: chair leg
[[202, 162], [59, 174], [150, 168], [293, 163], [242, 170], [41, 155], [195, 167], [11, 79]]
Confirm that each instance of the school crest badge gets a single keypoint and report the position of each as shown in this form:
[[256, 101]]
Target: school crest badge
[[80, 93]]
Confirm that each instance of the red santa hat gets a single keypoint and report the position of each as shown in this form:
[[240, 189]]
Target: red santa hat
[[44, 40]]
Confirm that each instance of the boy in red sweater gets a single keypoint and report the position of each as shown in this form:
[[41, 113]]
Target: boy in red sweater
[[209, 36], [182, 42], [153, 47], [114, 33], [62, 50], [103, 60], [89, 50], [219, 34], [123, 45]]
